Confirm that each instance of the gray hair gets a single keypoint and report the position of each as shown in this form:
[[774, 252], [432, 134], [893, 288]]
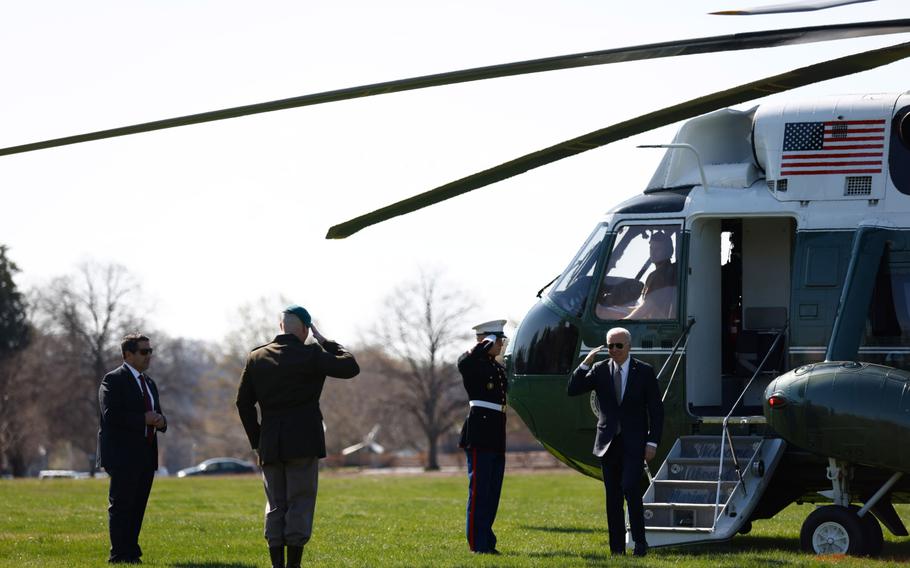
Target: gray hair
[[620, 330], [290, 323]]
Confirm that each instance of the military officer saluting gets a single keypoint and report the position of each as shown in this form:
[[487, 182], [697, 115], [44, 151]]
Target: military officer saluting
[[483, 435]]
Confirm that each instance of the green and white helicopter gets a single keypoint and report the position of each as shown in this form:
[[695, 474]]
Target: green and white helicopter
[[780, 332]]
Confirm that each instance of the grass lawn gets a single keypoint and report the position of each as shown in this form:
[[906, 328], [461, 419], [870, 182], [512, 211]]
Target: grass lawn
[[545, 519]]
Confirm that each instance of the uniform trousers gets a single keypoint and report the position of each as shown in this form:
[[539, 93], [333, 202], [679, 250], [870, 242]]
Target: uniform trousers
[[290, 490], [485, 473], [127, 497], [622, 479]]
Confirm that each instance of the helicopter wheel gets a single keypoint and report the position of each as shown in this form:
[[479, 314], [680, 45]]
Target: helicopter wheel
[[746, 528], [833, 529], [874, 539]]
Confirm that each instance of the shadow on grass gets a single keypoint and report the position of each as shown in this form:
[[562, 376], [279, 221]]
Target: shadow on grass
[[565, 530], [213, 564]]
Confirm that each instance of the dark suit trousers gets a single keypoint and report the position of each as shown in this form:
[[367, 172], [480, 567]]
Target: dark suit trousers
[[127, 498], [622, 476], [485, 473]]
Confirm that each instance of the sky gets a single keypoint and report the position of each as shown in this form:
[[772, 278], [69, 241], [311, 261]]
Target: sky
[[210, 217]]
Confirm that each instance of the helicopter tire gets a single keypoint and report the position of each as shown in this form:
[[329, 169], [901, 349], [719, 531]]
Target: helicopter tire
[[746, 528], [833, 529], [874, 538]]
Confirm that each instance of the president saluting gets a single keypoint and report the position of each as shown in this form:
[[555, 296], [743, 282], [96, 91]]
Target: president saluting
[[629, 424]]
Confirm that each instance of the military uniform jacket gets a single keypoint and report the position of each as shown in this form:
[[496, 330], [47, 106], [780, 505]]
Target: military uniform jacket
[[640, 413], [484, 379], [285, 378], [121, 433]]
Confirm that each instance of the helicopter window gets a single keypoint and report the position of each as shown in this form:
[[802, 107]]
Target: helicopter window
[[641, 279], [899, 151], [889, 312], [571, 290]]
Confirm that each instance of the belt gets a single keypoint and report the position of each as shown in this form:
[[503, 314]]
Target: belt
[[490, 405]]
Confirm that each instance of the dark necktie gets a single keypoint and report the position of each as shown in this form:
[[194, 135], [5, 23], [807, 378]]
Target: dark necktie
[[149, 429], [617, 388], [617, 382]]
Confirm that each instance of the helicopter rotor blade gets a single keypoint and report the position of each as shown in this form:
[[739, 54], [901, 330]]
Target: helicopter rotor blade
[[792, 79], [788, 7], [351, 449], [732, 42]]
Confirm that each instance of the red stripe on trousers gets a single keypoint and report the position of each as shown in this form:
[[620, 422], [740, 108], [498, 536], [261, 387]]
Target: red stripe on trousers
[[473, 500]]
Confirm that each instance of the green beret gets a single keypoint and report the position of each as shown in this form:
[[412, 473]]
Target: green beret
[[300, 312]]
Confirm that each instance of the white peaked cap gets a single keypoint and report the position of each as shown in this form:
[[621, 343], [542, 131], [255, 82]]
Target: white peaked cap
[[494, 327]]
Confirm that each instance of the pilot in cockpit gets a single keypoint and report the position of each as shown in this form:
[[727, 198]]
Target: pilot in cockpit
[[655, 298], [658, 296]]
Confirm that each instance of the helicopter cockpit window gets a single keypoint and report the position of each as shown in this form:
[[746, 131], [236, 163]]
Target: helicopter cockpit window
[[641, 278], [571, 289]]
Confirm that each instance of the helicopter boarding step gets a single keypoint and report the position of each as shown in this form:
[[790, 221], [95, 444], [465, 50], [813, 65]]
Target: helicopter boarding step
[[695, 497]]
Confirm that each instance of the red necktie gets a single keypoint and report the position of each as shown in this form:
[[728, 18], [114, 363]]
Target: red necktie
[[149, 429]]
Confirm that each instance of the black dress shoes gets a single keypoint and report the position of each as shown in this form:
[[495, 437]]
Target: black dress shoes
[[491, 551], [640, 549]]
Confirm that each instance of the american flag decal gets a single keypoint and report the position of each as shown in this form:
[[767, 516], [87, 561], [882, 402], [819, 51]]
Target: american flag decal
[[833, 147]]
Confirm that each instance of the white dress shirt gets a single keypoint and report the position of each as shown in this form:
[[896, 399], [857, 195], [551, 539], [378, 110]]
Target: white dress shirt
[[139, 383]]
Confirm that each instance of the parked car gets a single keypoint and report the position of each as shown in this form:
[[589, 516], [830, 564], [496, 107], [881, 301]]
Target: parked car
[[218, 466]]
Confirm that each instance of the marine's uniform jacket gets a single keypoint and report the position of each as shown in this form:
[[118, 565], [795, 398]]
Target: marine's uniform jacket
[[484, 379], [121, 435], [285, 377]]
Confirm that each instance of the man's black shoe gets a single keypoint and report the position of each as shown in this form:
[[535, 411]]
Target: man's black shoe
[[640, 549], [618, 552], [491, 551]]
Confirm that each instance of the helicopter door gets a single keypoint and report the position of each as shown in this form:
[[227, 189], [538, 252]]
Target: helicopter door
[[739, 293]]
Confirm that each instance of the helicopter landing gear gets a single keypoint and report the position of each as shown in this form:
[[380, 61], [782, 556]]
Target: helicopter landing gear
[[843, 528], [833, 529]]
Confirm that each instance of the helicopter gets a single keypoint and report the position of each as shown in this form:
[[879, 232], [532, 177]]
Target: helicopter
[[698, 212]]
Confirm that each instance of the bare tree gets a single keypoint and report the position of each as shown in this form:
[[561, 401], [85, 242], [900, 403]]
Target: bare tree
[[422, 330]]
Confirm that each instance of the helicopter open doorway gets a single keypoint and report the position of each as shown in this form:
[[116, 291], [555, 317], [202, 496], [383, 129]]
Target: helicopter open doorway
[[738, 291]]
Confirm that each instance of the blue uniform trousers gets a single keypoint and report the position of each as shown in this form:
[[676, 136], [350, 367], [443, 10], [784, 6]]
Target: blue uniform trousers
[[485, 473]]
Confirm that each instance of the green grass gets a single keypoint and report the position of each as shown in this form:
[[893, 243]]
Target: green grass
[[546, 519]]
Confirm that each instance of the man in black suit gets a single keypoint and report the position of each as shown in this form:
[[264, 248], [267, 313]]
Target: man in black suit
[[629, 424], [130, 415], [285, 378]]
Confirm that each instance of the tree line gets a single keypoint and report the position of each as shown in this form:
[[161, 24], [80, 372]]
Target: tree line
[[57, 341]]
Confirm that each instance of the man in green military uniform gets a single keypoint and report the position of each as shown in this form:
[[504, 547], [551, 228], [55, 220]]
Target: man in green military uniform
[[285, 378], [483, 435]]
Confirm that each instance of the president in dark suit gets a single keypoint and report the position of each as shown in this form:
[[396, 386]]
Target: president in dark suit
[[131, 417], [629, 424], [285, 378]]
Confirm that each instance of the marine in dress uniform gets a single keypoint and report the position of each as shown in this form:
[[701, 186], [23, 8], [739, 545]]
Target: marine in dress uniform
[[483, 436]]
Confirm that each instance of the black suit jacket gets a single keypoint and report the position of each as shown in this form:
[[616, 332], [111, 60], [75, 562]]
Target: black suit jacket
[[121, 435], [641, 413], [285, 378]]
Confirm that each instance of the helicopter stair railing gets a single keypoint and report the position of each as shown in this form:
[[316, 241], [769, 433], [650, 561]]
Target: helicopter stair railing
[[683, 336], [708, 486]]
